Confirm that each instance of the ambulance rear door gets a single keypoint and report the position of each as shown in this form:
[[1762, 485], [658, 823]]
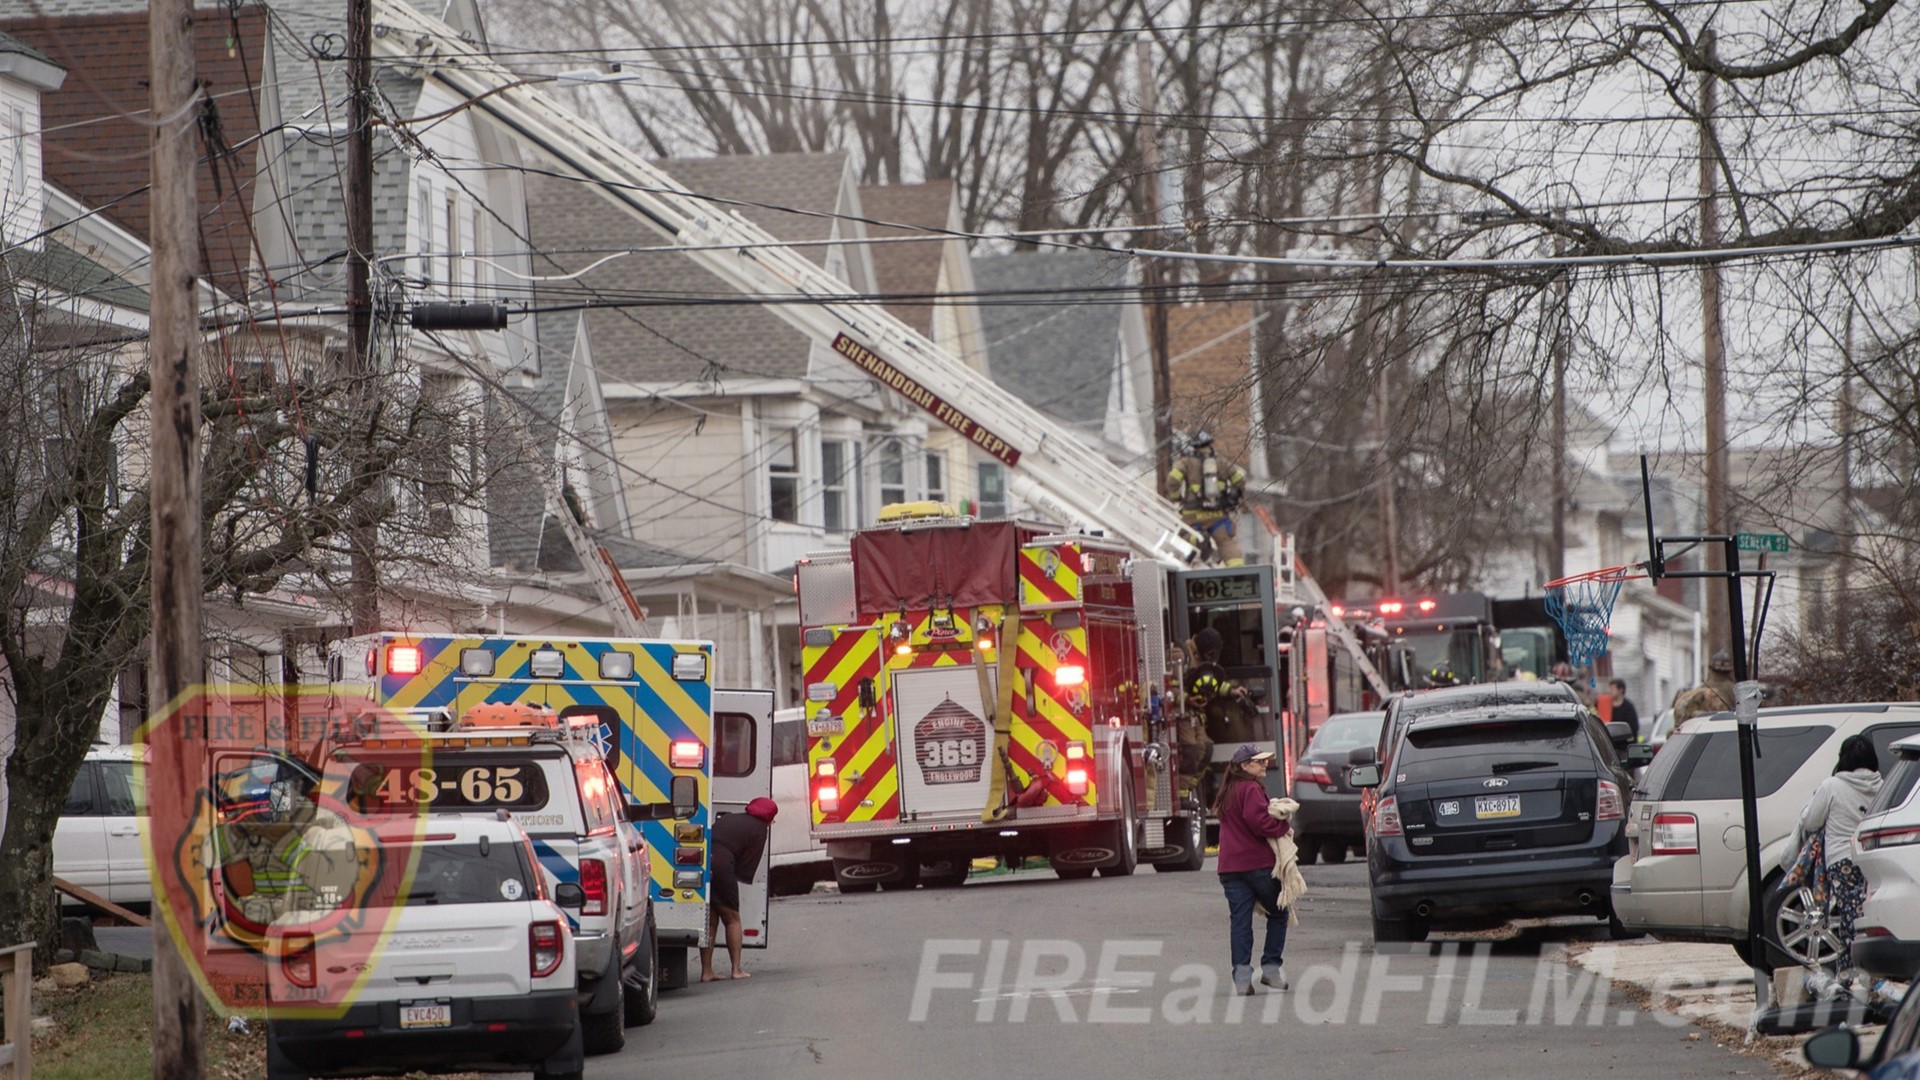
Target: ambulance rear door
[[743, 772]]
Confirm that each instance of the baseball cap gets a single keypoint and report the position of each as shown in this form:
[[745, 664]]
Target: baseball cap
[[1247, 753]]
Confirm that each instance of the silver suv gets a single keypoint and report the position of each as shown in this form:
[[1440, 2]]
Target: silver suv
[[1684, 877]]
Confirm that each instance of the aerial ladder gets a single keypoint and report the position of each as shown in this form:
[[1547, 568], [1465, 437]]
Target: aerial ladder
[[1048, 467]]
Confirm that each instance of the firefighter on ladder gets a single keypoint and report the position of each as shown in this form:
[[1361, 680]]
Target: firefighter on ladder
[[1208, 491]]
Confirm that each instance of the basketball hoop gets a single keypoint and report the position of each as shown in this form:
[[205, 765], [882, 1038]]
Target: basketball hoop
[[1583, 606]]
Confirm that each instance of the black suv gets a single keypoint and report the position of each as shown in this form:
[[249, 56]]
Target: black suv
[[1517, 810]]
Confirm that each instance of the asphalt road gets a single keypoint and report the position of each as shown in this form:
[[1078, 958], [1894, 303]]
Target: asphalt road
[[1022, 975]]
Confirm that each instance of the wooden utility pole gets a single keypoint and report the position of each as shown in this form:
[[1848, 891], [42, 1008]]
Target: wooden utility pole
[[364, 536], [173, 360], [1713, 357], [1151, 282], [1557, 558]]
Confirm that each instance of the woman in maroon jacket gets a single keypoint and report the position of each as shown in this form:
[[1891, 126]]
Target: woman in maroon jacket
[[1246, 867]]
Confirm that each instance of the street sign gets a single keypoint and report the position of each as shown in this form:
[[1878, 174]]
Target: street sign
[[1774, 542]]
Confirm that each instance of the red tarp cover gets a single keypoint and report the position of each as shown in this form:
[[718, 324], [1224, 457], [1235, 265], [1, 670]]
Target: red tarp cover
[[920, 569]]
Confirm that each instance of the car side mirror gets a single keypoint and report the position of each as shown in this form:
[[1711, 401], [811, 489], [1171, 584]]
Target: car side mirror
[[1834, 1048], [685, 795], [1620, 733], [570, 895], [1362, 755], [1365, 776], [1638, 754]]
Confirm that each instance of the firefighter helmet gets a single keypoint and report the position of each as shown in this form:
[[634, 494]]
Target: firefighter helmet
[[1201, 440]]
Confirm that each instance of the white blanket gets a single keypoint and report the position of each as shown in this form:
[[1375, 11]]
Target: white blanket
[[1286, 863]]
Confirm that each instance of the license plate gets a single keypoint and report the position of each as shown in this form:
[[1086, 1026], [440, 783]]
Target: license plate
[[1496, 806], [428, 1015]]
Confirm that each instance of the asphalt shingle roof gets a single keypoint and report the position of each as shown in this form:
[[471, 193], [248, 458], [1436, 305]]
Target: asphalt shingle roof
[[681, 341], [1047, 341], [912, 268], [11, 44]]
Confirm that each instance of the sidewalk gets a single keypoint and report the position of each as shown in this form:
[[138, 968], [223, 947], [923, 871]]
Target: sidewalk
[[1706, 984]]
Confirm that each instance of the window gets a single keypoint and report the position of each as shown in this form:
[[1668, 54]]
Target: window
[[837, 466], [476, 270], [993, 491], [893, 473], [439, 449], [783, 475], [80, 799], [936, 476], [423, 214], [733, 739], [1715, 772], [116, 781], [789, 743], [453, 244]]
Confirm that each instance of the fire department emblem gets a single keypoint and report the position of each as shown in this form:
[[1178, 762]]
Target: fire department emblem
[[256, 850], [950, 744]]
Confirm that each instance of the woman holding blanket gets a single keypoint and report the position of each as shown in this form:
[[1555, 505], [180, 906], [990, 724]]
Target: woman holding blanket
[[1246, 867]]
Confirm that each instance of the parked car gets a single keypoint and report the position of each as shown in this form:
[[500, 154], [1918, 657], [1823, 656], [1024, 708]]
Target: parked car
[[1495, 813], [1685, 875], [1328, 821], [96, 844], [794, 859], [1887, 850], [475, 972], [1895, 1057]]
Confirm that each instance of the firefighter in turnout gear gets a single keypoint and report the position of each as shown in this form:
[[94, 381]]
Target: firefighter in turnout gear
[[1212, 695], [1208, 491]]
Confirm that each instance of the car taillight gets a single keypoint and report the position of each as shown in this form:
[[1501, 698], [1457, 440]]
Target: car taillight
[[1676, 834], [546, 948], [1610, 807], [1875, 839], [828, 795], [296, 960], [593, 882], [1386, 817], [1872, 931], [1311, 772]]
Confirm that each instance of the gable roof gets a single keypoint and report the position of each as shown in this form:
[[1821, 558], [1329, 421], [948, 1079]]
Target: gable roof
[[95, 138], [1049, 341], [911, 269], [674, 337]]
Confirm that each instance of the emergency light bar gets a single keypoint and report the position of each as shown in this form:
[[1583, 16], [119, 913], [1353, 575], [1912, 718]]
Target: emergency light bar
[[404, 660]]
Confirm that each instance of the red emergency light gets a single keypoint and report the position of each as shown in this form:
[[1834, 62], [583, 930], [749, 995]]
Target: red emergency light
[[1069, 675], [1428, 605], [828, 795], [403, 660], [1392, 607]]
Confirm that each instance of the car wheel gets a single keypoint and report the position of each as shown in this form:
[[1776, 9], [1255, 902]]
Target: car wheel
[[1126, 838], [1073, 873], [1391, 931], [279, 1067], [1333, 852], [568, 1064], [1798, 932], [1619, 931], [909, 878], [606, 1032], [1309, 848], [673, 968], [643, 1002], [857, 886], [946, 874], [1192, 831]]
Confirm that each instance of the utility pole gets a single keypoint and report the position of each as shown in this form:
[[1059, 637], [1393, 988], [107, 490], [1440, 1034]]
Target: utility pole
[[1150, 272], [363, 537], [173, 363], [1389, 510], [1557, 558], [1713, 358]]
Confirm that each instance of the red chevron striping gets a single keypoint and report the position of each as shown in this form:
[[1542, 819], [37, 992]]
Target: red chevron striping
[[823, 665], [849, 695], [1036, 576]]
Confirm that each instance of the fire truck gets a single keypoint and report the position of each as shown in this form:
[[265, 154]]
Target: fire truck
[[1445, 636], [1057, 737]]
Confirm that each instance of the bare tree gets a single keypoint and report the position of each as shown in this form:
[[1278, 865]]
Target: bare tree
[[285, 456]]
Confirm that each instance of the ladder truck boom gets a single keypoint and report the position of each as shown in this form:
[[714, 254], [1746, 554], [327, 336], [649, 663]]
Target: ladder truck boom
[[1049, 466]]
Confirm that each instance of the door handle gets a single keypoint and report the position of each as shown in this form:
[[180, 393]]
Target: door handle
[[124, 831]]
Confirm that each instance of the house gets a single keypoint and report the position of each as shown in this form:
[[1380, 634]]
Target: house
[[448, 224], [1065, 332]]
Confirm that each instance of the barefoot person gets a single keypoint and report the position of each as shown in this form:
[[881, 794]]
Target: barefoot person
[[738, 842]]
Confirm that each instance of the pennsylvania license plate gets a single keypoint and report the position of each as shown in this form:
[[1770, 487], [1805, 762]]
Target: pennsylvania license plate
[[1496, 806], [426, 1015]]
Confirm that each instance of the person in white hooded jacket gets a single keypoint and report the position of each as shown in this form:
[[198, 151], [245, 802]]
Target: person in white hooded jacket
[[1835, 811]]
